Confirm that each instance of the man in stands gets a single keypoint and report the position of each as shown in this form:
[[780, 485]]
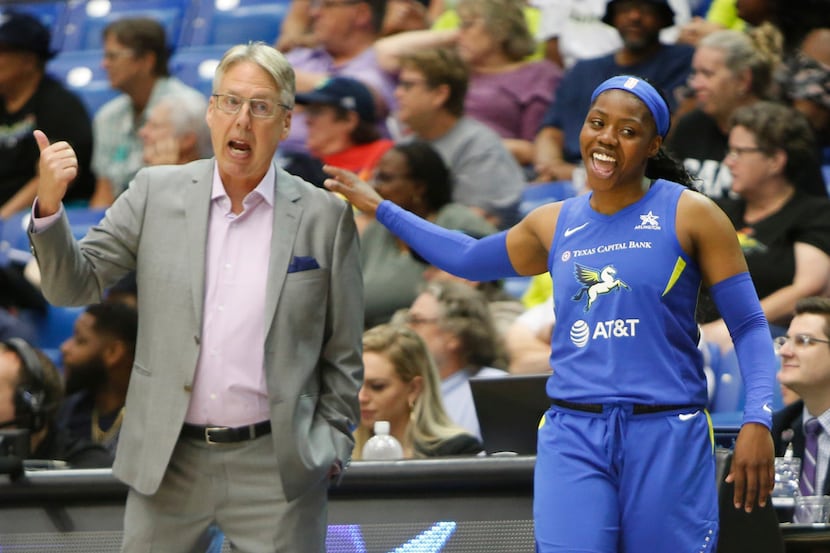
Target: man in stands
[[30, 100], [135, 59], [98, 360]]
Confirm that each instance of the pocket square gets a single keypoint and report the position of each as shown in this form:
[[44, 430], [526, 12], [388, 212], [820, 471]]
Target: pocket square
[[302, 263]]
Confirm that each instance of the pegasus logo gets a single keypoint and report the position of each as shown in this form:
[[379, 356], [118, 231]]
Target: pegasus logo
[[596, 282]]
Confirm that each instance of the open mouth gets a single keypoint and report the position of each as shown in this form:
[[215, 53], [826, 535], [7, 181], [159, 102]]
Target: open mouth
[[239, 147], [602, 164]]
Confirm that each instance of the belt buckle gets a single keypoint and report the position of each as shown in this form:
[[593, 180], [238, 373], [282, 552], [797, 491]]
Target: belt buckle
[[208, 430]]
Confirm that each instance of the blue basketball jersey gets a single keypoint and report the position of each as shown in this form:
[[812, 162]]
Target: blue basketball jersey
[[625, 294]]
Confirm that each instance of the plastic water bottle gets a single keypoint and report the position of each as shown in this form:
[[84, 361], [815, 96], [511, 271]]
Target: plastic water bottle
[[382, 446]]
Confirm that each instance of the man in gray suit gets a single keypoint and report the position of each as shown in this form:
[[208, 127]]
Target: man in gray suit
[[248, 361]]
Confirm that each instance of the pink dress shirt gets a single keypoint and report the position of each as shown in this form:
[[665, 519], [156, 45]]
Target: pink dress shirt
[[229, 387]]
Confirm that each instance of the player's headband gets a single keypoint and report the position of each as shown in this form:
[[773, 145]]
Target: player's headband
[[645, 92]]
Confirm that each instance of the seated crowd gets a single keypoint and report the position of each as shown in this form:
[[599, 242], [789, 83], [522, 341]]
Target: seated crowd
[[452, 117]]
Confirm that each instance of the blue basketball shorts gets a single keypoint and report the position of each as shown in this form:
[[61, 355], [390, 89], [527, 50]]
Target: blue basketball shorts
[[616, 482]]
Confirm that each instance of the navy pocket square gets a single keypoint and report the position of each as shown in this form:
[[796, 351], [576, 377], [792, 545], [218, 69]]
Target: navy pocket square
[[302, 263]]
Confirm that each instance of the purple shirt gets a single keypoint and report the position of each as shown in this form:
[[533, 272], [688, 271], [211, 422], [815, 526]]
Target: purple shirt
[[364, 67], [513, 102]]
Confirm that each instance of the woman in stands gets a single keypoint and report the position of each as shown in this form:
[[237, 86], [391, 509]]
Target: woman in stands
[[783, 225], [507, 92], [401, 386], [730, 69], [414, 176], [625, 461]]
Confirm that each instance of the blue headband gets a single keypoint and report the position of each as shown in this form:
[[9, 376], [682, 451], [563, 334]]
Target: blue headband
[[645, 92]]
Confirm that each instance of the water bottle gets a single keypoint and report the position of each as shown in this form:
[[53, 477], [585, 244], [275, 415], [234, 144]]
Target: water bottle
[[382, 446]]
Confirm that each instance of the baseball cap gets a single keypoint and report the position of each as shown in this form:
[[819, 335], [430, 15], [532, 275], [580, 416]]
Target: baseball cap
[[347, 93], [662, 6], [21, 31]]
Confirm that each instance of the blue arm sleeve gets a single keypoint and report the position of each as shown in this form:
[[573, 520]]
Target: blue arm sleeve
[[738, 304], [455, 252]]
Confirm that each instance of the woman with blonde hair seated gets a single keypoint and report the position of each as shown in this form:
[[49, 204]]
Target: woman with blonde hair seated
[[401, 386]]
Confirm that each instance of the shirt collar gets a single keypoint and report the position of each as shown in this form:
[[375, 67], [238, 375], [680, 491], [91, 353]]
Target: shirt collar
[[265, 188]]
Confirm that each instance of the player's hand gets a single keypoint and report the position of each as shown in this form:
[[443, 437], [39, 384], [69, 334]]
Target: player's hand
[[360, 194], [58, 166], [753, 467]]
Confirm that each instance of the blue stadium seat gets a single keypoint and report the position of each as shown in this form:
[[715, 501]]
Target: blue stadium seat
[[86, 20], [535, 195], [196, 66], [227, 22], [56, 326], [51, 14], [81, 72], [14, 242], [82, 218], [729, 386]]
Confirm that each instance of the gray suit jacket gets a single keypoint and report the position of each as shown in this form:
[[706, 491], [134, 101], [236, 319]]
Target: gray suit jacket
[[314, 316]]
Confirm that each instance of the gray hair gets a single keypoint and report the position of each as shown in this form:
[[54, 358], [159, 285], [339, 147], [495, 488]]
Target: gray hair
[[269, 59], [187, 114], [759, 50]]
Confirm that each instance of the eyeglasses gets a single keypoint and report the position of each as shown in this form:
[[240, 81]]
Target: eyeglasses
[[737, 152], [112, 55], [799, 340], [230, 103], [415, 319], [317, 4]]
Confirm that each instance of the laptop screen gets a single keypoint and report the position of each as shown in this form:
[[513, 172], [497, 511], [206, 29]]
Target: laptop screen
[[509, 410]]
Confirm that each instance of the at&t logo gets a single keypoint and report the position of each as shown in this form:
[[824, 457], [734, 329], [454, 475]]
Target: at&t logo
[[581, 331]]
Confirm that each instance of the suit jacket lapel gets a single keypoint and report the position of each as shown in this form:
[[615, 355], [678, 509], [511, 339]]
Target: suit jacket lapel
[[197, 209], [287, 216]]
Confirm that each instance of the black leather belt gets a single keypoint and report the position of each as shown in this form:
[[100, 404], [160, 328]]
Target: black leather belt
[[637, 408], [226, 434]]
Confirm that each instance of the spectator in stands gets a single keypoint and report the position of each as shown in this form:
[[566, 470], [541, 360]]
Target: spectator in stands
[[401, 385], [805, 368], [431, 89], [30, 100], [528, 339], [175, 131], [783, 225], [504, 307], [97, 360], [250, 322], [575, 30], [806, 85], [506, 91], [31, 392], [414, 175], [401, 15], [342, 130], [135, 59], [666, 67], [730, 69], [454, 321], [346, 31]]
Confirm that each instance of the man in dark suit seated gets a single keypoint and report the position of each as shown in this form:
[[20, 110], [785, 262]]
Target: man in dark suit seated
[[805, 368]]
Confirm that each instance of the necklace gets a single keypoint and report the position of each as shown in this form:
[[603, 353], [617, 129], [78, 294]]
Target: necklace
[[101, 437]]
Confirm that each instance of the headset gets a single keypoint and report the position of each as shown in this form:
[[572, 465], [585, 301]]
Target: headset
[[30, 408]]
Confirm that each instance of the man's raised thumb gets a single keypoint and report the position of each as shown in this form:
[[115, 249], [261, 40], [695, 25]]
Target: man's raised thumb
[[42, 140]]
